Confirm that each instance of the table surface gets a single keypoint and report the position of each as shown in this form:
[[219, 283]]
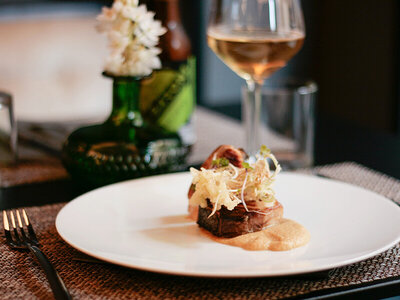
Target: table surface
[[39, 194], [374, 149]]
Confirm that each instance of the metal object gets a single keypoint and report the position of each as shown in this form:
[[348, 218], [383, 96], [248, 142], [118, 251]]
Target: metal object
[[20, 235], [8, 129]]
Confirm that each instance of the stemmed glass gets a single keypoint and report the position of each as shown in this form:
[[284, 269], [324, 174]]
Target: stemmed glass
[[255, 38]]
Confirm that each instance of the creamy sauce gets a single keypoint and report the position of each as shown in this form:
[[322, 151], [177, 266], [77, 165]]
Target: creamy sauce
[[283, 235]]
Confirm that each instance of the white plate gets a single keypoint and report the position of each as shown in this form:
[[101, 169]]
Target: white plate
[[142, 224]]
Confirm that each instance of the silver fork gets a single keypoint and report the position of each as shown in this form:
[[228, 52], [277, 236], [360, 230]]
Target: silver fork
[[26, 239]]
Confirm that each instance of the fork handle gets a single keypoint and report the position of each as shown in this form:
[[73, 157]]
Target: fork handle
[[57, 285]]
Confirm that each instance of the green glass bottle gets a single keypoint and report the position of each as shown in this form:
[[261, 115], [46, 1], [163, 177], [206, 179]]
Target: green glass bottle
[[124, 146]]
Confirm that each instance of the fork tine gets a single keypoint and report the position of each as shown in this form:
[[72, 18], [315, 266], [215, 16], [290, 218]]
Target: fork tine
[[26, 219], [28, 224], [7, 232], [21, 227], [5, 221], [14, 226], [18, 218], [12, 219]]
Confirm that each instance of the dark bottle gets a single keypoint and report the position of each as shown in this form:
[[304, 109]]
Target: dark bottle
[[168, 96], [124, 146]]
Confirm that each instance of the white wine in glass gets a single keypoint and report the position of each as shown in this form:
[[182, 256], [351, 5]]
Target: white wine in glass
[[255, 38]]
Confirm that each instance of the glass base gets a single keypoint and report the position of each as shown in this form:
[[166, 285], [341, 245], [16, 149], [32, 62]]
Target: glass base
[[98, 155]]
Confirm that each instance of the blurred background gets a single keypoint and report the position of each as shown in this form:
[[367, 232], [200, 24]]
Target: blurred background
[[51, 60]]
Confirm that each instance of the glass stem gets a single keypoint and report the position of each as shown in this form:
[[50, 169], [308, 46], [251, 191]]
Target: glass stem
[[252, 113]]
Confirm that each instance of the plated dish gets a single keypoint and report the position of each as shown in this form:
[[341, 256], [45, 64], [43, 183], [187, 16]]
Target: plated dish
[[136, 225], [232, 198]]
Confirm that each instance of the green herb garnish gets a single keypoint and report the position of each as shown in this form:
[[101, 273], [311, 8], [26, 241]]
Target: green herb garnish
[[247, 166], [265, 151], [220, 162]]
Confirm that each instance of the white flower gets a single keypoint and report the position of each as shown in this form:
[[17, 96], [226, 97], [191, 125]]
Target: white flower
[[133, 35], [118, 41]]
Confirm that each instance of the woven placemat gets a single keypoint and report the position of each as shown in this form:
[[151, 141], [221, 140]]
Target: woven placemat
[[22, 278]]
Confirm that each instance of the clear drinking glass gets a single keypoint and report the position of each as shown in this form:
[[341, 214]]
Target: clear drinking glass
[[255, 38], [288, 121], [8, 130]]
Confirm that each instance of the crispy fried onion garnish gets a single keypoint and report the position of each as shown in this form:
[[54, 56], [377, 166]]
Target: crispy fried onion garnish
[[229, 186]]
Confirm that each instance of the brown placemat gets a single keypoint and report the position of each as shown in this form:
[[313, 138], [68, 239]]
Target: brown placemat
[[21, 278]]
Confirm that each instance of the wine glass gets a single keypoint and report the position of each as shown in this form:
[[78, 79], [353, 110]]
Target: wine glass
[[255, 38]]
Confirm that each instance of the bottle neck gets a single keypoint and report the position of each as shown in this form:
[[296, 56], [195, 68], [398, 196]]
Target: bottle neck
[[175, 44], [167, 11], [126, 92]]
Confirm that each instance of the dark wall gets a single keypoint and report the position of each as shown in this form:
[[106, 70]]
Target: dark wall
[[351, 50], [358, 61]]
